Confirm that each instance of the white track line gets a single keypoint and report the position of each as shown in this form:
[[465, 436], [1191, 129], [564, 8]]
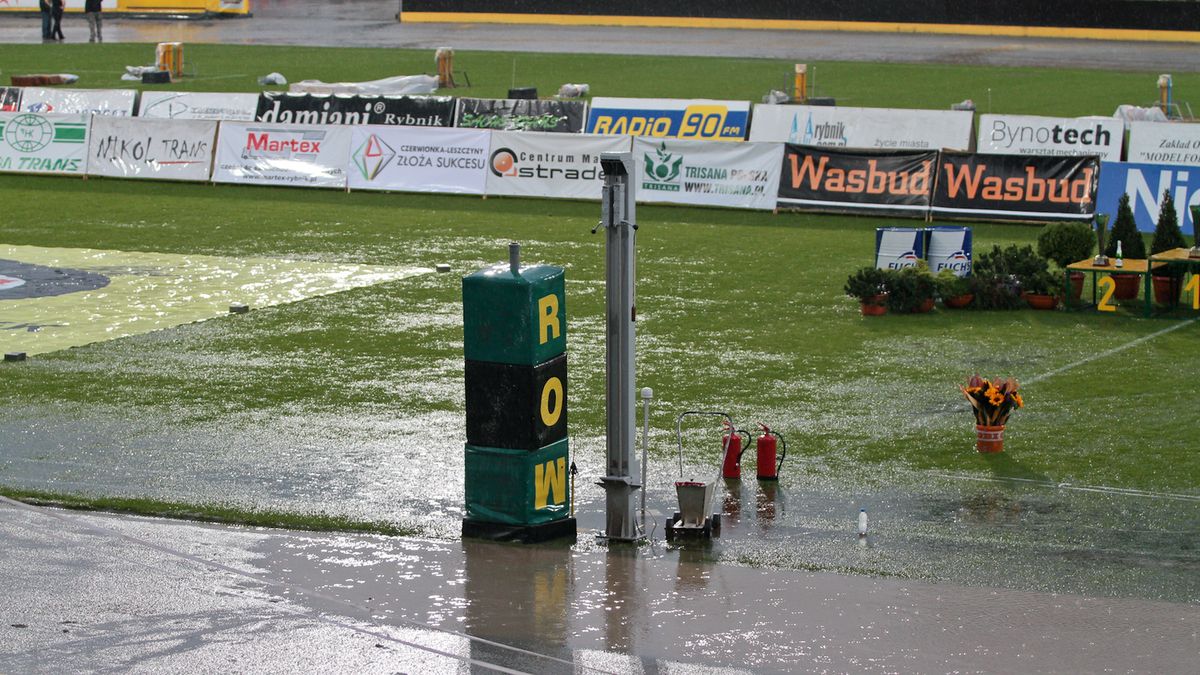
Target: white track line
[[1110, 352]]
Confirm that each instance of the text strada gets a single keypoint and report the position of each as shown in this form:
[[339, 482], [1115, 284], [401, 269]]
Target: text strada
[[871, 180], [970, 182]]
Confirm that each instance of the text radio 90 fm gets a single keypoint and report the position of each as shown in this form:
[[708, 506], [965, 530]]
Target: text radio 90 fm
[[706, 122]]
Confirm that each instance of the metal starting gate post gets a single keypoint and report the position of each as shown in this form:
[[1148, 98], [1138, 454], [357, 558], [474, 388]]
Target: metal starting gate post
[[620, 224]]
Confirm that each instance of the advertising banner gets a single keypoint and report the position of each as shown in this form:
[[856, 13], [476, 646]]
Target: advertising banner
[[10, 99], [1145, 184], [150, 148], [533, 164], [741, 175], [115, 102], [1016, 187], [1053, 136], [32, 5], [412, 111], [857, 181], [864, 128], [186, 105], [518, 114], [282, 154], [1164, 143], [698, 119], [32, 143], [419, 160]]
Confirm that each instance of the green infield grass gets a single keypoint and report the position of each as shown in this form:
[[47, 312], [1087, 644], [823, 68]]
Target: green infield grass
[[738, 311]]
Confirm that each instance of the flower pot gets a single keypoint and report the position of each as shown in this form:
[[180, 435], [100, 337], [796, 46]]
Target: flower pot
[[1076, 286], [875, 305], [959, 301], [989, 439], [925, 306], [1127, 286], [1038, 301], [1167, 289]]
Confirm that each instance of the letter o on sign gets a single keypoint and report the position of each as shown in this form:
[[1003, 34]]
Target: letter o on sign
[[553, 386]]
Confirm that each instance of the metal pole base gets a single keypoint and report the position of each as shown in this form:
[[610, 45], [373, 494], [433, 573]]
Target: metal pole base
[[620, 523]]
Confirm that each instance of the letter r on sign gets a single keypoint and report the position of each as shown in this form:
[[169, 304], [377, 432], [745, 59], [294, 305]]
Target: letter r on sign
[[549, 326]]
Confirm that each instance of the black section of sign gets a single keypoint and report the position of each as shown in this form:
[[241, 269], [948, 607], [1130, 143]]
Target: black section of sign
[[412, 111], [857, 181], [10, 99], [504, 404], [44, 282], [1016, 187], [1146, 14], [521, 115]]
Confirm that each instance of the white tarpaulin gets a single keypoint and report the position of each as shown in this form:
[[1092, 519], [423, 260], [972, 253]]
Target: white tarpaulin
[[1053, 136], [537, 164], [418, 159], [388, 86], [183, 105], [151, 148], [116, 102], [863, 128], [1164, 143], [282, 154], [33, 143], [708, 173]]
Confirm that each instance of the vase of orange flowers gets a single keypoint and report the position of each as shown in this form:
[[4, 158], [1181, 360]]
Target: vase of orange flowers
[[993, 401]]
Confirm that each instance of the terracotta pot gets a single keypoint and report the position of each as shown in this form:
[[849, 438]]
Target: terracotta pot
[[925, 306], [958, 302], [1076, 286], [989, 439], [1127, 286], [1038, 301], [873, 310], [1167, 289]]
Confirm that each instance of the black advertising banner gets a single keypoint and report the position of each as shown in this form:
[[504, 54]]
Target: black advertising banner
[[857, 181], [1016, 187], [507, 114], [412, 111]]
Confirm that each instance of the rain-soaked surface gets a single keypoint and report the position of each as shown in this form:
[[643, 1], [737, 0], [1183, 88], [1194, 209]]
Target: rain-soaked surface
[[145, 595]]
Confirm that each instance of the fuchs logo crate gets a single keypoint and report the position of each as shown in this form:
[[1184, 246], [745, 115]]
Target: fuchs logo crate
[[948, 248], [899, 247], [670, 118], [850, 181], [1015, 187]]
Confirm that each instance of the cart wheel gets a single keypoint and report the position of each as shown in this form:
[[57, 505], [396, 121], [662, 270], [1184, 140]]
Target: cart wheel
[[716, 525]]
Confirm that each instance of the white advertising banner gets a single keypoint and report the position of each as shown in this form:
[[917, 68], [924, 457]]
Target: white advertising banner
[[32, 5], [1053, 136], [184, 105], [162, 149], [415, 159], [33, 143], [115, 102], [544, 164], [708, 173], [1164, 143], [863, 128], [282, 154]]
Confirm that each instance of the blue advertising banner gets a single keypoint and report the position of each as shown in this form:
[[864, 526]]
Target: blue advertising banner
[[1145, 184], [670, 118]]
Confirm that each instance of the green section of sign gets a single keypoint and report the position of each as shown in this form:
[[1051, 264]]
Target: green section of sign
[[152, 291], [515, 318], [518, 487]]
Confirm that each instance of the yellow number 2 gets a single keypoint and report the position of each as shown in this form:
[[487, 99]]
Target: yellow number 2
[[1109, 286]]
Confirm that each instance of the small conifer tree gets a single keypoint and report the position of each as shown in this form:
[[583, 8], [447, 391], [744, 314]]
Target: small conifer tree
[[1167, 234], [1125, 231]]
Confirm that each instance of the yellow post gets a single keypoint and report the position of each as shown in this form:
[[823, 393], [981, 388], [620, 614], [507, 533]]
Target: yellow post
[[801, 89]]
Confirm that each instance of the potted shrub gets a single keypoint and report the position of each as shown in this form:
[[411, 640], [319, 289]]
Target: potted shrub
[[910, 290], [1125, 231], [1041, 290], [1001, 274], [1066, 243], [955, 291], [1167, 236], [869, 286]]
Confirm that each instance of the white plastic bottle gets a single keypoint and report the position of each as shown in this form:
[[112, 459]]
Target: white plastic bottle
[[1120, 262], [862, 522]]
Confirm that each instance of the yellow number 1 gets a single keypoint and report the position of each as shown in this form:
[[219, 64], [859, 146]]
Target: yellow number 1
[[1194, 287], [1109, 286]]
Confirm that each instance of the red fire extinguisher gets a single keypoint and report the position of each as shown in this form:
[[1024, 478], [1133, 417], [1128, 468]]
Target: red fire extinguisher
[[731, 441], [768, 469]]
